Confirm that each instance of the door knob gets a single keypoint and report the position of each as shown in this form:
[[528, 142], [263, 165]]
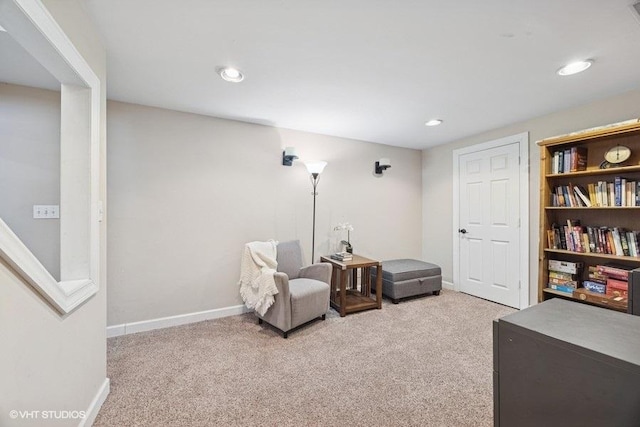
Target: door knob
[[462, 230]]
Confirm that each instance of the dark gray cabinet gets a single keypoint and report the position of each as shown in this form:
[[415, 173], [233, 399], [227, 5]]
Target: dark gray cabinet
[[559, 363], [634, 292]]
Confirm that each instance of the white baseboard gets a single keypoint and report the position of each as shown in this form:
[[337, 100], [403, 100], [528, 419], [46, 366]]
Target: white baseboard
[[181, 319], [116, 330], [96, 404], [448, 285]]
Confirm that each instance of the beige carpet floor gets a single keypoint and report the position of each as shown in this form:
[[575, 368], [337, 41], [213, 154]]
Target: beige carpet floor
[[423, 362]]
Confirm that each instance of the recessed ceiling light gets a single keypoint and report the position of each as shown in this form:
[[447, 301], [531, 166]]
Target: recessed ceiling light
[[433, 122], [230, 74], [575, 67]]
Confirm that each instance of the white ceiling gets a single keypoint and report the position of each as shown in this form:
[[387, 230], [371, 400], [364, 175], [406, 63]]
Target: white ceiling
[[369, 69]]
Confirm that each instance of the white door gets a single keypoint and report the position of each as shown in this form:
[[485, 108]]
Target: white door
[[489, 229]]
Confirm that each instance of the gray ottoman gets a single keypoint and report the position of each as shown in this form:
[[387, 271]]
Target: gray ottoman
[[402, 278]]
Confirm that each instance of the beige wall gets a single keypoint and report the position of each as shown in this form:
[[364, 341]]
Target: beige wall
[[437, 179], [30, 168], [186, 192], [48, 361]]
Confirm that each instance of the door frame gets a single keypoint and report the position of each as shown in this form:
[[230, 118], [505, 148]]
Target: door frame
[[522, 139]]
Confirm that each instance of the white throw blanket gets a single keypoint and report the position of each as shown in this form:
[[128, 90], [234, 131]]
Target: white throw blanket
[[257, 285]]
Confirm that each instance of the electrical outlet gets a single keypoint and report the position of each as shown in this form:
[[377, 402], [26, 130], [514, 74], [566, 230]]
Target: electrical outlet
[[46, 211]]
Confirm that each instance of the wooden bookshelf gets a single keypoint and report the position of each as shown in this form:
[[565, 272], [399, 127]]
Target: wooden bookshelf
[[597, 141]]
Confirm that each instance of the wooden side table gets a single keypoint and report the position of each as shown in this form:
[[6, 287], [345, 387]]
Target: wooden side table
[[345, 300]]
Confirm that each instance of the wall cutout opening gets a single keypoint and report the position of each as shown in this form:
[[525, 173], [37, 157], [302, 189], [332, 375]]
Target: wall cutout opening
[[30, 152], [69, 276]]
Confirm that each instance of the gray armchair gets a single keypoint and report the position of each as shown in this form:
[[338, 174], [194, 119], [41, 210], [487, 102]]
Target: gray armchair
[[303, 292]]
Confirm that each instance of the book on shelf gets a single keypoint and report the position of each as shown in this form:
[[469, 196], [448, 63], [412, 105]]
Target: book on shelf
[[622, 235], [552, 242], [578, 158], [555, 162], [564, 276], [562, 288], [605, 279], [625, 192], [617, 288], [563, 282], [595, 276], [562, 238], [612, 193], [591, 188], [597, 287], [565, 266], [570, 196], [633, 243], [616, 242], [591, 237], [572, 159], [602, 193], [575, 237], [621, 192], [561, 162], [561, 275], [583, 197], [615, 271], [575, 229], [617, 183], [608, 243]]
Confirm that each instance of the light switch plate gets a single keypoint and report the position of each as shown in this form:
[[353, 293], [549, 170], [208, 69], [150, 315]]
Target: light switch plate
[[46, 211]]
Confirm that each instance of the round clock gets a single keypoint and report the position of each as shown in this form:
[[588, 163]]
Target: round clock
[[617, 154]]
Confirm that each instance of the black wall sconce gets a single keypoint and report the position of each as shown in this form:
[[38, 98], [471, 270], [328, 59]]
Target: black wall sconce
[[382, 165], [288, 156]]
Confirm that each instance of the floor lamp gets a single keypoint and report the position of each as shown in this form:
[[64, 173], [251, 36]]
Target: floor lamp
[[315, 169]]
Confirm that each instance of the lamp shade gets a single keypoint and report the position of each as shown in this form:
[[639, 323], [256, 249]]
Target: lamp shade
[[315, 167]]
